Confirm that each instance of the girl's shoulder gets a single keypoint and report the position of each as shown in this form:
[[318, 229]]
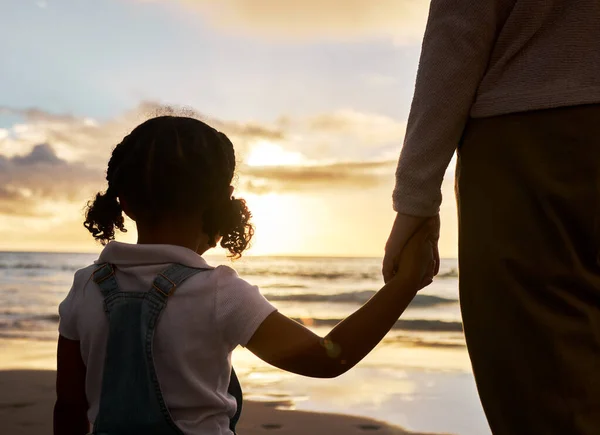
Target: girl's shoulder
[[83, 276], [69, 308], [228, 277], [223, 271]]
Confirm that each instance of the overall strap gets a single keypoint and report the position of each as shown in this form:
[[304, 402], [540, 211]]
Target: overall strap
[[167, 281], [104, 276], [164, 286]]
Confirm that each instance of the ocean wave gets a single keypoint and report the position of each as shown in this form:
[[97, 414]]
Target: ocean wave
[[29, 335], [39, 266], [27, 321], [326, 276], [282, 286], [354, 297], [24, 266], [48, 318], [452, 342], [248, 272], [452, 273], [416, 325], [43, 327], [309, 274]]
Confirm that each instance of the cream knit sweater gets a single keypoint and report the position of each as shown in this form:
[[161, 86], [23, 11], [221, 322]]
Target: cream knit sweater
[[484, 58]]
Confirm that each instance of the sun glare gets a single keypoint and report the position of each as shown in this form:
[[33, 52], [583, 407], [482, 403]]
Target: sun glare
[[280, 227], [265, 153]]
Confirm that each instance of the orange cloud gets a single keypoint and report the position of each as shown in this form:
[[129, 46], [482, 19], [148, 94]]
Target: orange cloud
[[327, 177], [49, 157], [30, 181], [400, 20], [51, 164], [84, 139]]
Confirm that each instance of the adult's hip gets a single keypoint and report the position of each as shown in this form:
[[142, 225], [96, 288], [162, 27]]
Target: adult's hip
[[528, 191]]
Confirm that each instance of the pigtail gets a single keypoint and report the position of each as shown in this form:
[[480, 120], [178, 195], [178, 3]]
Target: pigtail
[[103, 216], [229, 219], [236, 228]]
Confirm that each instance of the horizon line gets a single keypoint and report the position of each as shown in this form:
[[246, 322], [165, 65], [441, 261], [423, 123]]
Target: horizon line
[[276, 255]]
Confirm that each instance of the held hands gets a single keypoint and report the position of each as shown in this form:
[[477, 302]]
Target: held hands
[[411, 252]]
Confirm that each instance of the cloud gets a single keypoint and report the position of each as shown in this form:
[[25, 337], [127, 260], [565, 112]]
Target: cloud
[[13, 202], [31, 182], [335, 176], [243, 130], [370, 128], [71, 138], [346, 135], [87, 140], [340, 20], [51, 164], [41, 171], [341, 135], [40, 154], [49, 158]]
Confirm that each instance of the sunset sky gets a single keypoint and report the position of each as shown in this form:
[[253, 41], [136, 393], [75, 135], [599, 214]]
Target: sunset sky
[[314, 94]]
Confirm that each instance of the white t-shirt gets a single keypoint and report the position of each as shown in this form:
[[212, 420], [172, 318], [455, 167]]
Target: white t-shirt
[[207, 317]]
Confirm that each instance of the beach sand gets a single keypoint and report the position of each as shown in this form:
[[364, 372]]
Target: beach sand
[[27, 399]]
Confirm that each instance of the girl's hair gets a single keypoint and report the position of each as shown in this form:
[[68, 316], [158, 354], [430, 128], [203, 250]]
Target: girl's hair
[[173, 165]]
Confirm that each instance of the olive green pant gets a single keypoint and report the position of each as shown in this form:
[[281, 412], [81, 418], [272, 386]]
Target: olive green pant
[[528, 191]]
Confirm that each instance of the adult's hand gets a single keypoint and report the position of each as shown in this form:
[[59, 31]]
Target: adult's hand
[[404, 228]]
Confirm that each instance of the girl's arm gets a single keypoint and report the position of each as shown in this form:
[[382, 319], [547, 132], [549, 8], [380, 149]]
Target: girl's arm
[[70, 411], [290, 346]]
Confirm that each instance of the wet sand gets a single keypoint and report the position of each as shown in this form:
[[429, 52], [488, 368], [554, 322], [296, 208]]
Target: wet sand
[[27, 399]]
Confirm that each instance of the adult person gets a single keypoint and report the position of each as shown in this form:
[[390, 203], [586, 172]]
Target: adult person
[[514, 85]]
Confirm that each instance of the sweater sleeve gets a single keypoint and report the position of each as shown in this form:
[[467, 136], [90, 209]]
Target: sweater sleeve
[[458, 42]]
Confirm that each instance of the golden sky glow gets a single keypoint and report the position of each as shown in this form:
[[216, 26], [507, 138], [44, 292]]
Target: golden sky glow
[[330, 223], [314, 95]]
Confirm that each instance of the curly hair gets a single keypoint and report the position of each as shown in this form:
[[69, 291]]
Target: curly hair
[[173, 165]]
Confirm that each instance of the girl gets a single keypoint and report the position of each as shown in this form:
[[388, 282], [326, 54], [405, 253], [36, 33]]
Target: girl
[[158, 362]]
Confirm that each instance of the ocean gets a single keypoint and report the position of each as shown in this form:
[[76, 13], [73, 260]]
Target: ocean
[[419, 376]]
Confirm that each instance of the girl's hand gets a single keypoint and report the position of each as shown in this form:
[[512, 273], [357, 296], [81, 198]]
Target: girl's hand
[[416, 267], [290, 346]]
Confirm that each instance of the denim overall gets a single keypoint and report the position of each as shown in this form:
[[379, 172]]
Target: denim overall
[[131, 402]]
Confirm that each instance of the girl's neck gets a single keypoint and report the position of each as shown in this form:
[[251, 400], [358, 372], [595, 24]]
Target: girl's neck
[[173, 234]]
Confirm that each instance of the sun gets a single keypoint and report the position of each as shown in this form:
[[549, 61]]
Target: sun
[[278, 229], [277, 216], [265, 153]]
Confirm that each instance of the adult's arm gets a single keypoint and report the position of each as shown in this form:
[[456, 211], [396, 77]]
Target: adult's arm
[[458, 42]]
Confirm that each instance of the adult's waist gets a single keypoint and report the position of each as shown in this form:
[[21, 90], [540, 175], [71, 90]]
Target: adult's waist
[[503, 100]]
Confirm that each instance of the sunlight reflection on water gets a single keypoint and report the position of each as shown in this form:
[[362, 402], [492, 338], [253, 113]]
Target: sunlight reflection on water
[[418, 377], [424, 389], [420, 388]]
